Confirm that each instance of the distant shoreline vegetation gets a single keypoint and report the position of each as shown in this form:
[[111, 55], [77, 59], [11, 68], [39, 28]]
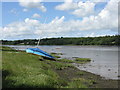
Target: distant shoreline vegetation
[[101, 40]]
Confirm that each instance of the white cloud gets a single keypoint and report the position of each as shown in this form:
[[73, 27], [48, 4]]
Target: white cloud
[[31, 27], [36, 15], [33, 4], [25, 10], [91, 35], [57, 20], [96, 35], [20, 29], [84, 9], [99, 0], [80, 9], [107, 20], [31, 22], [14, 11], [67, 5]]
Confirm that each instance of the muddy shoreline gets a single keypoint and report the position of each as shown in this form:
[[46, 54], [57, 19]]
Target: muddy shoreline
[[97, 81]]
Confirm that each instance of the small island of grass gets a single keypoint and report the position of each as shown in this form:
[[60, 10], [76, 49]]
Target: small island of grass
[[82, 60]]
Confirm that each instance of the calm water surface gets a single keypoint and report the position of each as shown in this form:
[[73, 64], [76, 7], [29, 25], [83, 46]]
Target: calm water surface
[[104, 59]]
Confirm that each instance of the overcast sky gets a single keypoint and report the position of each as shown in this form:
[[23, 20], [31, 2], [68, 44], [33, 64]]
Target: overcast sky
[[36, 19]]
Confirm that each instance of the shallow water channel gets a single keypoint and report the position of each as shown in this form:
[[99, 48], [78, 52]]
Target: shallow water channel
[[104, 59]]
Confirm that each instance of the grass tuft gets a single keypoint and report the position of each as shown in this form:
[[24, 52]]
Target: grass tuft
[[55, 55], [65, 60], [80, 73], [82, 60], [77, 82]]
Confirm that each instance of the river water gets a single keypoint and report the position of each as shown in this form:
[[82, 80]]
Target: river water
[[104, 59]]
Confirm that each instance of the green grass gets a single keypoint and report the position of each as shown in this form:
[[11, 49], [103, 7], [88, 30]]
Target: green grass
[[59, 65], [65, 60], [82, 60], [77, 60], [80, 73], [27, 71], [92, 82], [78, 82], [24, 70], [55, 55]]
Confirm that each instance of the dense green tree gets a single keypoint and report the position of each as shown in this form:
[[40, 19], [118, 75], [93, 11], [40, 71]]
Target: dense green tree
[[103, 40]]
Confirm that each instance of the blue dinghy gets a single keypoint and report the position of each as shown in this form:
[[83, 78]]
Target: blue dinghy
[[37, 51]]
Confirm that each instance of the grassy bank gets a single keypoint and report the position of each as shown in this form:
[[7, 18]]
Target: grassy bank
[[22, 70]]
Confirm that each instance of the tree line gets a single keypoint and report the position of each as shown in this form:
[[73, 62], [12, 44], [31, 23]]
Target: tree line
[[101, 40]]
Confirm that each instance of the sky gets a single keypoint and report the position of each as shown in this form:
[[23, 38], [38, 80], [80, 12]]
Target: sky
[[35, 19]]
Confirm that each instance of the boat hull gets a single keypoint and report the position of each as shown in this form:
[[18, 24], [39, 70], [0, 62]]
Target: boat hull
[[37, 51]]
